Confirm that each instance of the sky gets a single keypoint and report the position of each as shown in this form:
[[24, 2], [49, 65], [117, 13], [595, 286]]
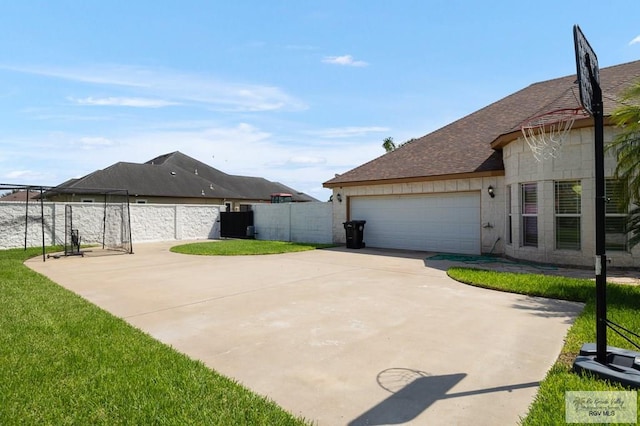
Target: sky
[[292, 91]]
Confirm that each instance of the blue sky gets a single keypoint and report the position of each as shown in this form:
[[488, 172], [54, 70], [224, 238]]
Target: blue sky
[[291, 91]]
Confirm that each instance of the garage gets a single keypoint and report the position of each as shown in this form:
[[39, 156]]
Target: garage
[[448, 223]]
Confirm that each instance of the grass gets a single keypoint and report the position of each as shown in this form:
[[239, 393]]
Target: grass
[[244, 247], [65, 361], [623, 301]]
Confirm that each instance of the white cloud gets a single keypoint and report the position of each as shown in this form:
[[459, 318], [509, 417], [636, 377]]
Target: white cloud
[[18, 174], [241, 149], [306, 160], [175, 87], [94, 142], [635, 41], [107, 75], [346, 60], [128, 102], [27, 176], [348, 132]]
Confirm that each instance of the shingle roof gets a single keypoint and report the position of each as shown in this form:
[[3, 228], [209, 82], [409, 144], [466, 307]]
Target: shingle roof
[[178, 175], [465, 146], [246, 187], [20, 196]]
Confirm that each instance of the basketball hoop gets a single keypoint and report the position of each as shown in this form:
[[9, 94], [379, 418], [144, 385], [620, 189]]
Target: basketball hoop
[[546, 133]]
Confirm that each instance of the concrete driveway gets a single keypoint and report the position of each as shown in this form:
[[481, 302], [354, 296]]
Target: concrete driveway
[[341, 337]]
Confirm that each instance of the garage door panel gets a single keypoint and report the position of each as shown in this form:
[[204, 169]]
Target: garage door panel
[[442, 222]]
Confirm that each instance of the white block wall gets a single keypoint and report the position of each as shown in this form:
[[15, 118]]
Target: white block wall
[[149, 222], [297, 222]]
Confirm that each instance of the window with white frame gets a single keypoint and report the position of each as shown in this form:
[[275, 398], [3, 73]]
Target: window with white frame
[[615, 217], [568, 212], [509, 217], [529, 214]]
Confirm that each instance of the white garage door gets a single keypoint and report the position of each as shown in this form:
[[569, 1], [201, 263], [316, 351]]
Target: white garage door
[[447, 223]]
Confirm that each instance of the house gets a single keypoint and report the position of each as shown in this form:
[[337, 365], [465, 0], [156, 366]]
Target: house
[[174, 178], [474, 186], [21, 195]]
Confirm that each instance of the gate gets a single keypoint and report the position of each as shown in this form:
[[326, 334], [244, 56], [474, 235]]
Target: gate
[[235, 224]]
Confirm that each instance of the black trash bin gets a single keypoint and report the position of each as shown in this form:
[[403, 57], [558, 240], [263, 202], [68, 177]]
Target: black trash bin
[[355, 233]]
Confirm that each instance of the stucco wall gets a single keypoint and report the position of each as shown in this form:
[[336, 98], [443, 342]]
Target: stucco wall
[[491, 210], [14, 218], [149, 222], [574, 161], [298, 222]]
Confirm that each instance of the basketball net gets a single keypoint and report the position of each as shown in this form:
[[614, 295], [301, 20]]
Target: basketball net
[[546, 133]]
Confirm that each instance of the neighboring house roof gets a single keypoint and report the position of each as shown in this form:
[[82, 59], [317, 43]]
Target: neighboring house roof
[[178, 175], [472, 144], [246, 186], [20, 196]]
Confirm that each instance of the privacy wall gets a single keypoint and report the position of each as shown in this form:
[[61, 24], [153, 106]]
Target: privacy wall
[[149, 222], [297, 222]]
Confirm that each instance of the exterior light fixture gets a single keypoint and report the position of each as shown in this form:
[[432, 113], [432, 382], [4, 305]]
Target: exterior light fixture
[[339, 197], [491, 192]]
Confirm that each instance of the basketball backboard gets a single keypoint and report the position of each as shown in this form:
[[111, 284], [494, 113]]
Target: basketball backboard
[[587, 70]]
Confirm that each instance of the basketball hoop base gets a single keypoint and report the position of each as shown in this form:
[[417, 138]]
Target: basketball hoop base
[[623, 366]]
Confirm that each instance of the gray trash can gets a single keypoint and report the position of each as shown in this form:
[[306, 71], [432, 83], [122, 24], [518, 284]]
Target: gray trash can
[[355, 233]]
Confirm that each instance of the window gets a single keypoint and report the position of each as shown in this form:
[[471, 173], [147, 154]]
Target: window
[[529, 198], [615, 217], [509, 219], [568, 200]]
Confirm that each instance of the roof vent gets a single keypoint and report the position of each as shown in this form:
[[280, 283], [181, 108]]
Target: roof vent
[[202, 192], [211, 186], [173, 173], [196, 172]]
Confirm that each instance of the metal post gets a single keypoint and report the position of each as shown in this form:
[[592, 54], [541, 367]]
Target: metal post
[[126, 194], [44, 250], [26, 217], [601, 258]]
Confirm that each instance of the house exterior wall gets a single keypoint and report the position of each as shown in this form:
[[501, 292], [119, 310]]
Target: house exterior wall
[[491, 211], [575, 161]]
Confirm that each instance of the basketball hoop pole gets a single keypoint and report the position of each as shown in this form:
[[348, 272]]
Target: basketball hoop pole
[[601, 257], [607, 362]]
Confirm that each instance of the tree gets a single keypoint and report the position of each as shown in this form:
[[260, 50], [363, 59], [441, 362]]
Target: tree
[[388, 144], [626, 146]]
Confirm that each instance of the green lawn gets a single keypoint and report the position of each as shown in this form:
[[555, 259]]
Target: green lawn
[[64, 361], [244, 247], [623, 302]]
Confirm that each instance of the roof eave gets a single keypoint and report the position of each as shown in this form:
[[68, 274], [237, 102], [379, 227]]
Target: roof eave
[[506, 138], [468, 175]]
